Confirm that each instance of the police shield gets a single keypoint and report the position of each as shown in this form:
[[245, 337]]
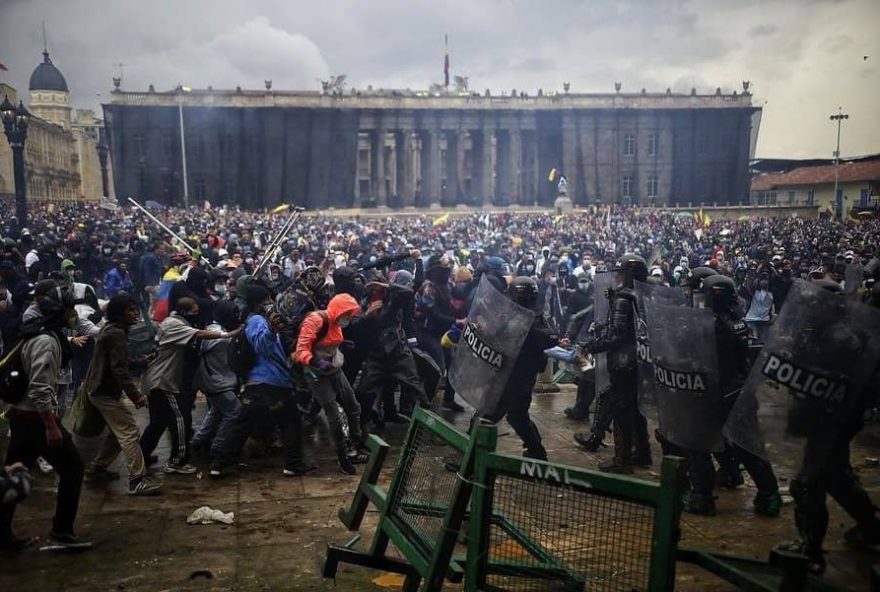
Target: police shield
[[489, 345], [810, 377], [601, 284], [685, 366], [658, 294]]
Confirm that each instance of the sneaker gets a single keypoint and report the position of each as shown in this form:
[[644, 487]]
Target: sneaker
[[815, 557], [101, 475], [44, 465], [14, 545], [346, 466], [453, 406], [767, 503], [590, 442], [217, 472], [576, 414], [187, 469], [701, 505], [143, 486], [59, 541], [299, 470]]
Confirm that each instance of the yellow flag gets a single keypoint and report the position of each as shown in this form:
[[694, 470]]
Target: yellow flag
[[558, 218], [51, 207], [281, 208], [441, 220], [552, 176]]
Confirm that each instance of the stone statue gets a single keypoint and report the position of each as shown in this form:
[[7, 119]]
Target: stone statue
[[562, 186]]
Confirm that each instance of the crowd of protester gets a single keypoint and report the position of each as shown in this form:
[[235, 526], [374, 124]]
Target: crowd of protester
[[104, 304]]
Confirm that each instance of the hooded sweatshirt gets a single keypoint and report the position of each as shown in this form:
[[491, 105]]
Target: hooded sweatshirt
[[307, 346]]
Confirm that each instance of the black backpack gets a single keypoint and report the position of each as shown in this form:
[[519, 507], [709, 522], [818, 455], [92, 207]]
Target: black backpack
[[13, 377], [241, 356]]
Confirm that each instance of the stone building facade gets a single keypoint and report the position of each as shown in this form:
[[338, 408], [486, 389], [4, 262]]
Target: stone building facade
[[401, 149], [61, 152]]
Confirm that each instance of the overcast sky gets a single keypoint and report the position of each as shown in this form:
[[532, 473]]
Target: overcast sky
[[803, 57]]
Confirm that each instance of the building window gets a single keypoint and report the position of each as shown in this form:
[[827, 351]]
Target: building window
[[863, 197], [726, 143], [703, 145], [626, 187], [140, 145], [653, 144], [629, 145], [811, 197], [200, 146], [168, 144], [705, 183], [791, 198], [653, 186], [229, 191]]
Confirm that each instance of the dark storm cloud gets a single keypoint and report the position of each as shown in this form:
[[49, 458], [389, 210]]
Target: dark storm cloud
[[498, 44]]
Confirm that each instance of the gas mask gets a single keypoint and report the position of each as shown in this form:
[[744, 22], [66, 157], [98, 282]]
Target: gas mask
[[220, 289]]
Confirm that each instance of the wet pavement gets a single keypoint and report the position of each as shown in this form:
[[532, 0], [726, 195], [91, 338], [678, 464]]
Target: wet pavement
[[283, 525]]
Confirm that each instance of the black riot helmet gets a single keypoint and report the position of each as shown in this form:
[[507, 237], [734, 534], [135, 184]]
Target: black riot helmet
[[633, 267], [313, 279], [524, 291], [698, 274], [52, 298], [720, 293]]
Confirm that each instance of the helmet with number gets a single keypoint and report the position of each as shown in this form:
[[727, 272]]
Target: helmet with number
[[524, 291], [720, 293], [634, 267], [313, 279]]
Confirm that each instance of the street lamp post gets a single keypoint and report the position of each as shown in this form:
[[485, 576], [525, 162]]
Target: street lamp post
[[839, 119], [15, 124], [181, 90]]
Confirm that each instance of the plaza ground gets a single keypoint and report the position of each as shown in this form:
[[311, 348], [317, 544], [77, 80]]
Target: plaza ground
[[283, 525]]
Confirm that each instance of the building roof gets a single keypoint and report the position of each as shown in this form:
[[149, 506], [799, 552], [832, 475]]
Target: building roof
[[47, 77], [865, 170]]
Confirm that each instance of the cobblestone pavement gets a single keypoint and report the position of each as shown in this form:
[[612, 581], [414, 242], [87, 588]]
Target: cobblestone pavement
[[282, 525]]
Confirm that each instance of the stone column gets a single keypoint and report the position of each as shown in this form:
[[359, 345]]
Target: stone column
[[377, 167], [482, 155], [405, 165], [453, 184], [569, 154], [431, 166], [515, 167], [503, 164], [534, 186]]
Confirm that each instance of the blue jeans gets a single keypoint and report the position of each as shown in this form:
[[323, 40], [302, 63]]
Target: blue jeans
[[222, 409]]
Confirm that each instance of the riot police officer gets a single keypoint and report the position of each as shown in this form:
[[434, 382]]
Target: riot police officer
[[826, 469], [694, 292], [517, 396], [733, 345], [617, 339]]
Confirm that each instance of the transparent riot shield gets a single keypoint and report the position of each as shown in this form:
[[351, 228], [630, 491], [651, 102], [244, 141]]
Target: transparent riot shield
[[662, 295], [489, 345], [810, 378], [602, 306], [684, 357]]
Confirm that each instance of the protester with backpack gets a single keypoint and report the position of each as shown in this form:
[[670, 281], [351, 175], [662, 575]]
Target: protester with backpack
[[259, 358], [317, 350], [34, 425], [107, 380], [162, 381]]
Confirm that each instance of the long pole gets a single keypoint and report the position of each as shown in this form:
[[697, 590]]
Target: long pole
[[183, 151], [839, 118], [168, 230], [20, 184], [275, 243]]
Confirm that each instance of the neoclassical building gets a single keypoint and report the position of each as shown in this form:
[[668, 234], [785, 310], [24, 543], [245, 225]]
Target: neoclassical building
[[258, 148], [61, 152]]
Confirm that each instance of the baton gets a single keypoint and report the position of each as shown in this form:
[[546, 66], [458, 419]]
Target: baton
[[169, 231], [279, 238]]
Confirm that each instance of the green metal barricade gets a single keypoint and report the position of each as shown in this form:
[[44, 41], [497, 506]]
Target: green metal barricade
[[456, 509]]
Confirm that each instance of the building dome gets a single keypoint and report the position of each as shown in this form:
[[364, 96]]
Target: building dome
[[47, 77]]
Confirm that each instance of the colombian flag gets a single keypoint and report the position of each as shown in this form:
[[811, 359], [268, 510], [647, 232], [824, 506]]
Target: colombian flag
[[441, 220], [163, 298]]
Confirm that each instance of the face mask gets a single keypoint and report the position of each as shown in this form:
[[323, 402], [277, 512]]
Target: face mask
[[108, 251], [274, 276], [344, 322], [220, 289]]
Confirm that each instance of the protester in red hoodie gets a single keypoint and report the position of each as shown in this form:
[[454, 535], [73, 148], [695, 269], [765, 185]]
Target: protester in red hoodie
[[317, 349]]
